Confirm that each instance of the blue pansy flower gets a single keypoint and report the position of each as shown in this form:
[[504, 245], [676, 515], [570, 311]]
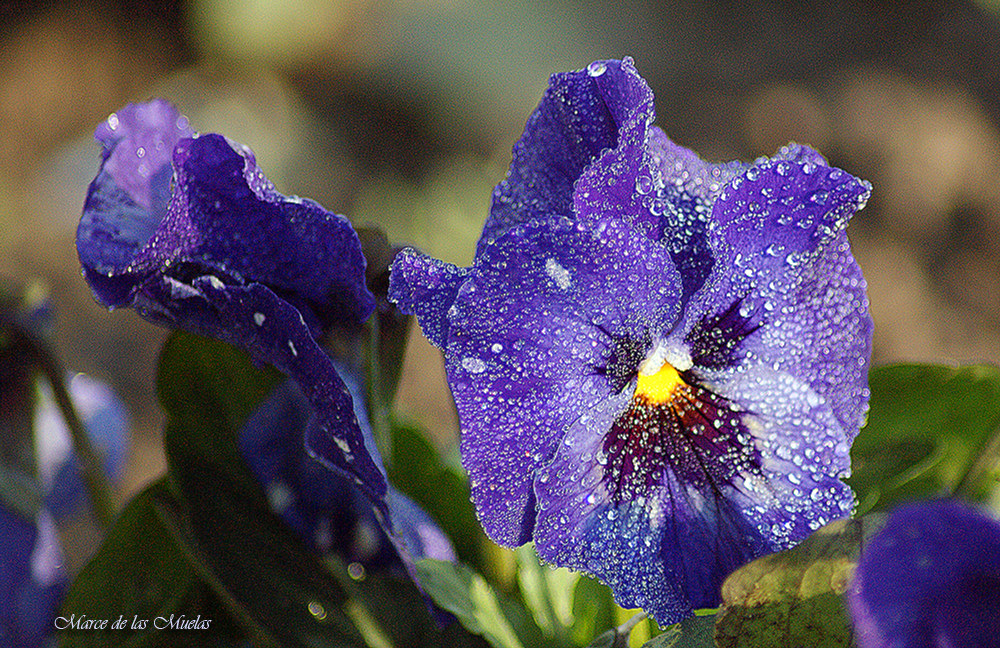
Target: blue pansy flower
[[186, 229], [929, 579], [659, 363], [32, 578]]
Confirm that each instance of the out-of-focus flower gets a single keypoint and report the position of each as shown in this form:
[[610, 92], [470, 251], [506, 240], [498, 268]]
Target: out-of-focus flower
[[659, 363], [326, 510], [107, 424], [41, 473], [929, 579], [32, 581]]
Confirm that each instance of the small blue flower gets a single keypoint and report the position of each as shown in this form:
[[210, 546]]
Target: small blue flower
[[659, 364], [929, 579]]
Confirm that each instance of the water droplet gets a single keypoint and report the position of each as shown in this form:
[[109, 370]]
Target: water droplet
[[643, 185], [597, 68], [473, 365]]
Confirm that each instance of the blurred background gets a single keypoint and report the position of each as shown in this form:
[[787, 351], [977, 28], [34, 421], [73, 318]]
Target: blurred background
[[402, 114]]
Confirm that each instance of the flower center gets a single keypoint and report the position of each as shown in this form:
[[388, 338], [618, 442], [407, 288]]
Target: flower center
[[659, 388], [675, 424]]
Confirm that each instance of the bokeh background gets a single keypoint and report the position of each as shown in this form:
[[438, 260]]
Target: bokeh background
[[402, 114]]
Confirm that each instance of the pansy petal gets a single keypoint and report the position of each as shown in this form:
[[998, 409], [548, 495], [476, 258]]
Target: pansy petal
[[784, 267], [930, 577], [664, 514], [616, 183], [666, 552], [678, 197], [273, 332], [533, 335], [578, 118], [128, 198], [425, 287], [222, 218]]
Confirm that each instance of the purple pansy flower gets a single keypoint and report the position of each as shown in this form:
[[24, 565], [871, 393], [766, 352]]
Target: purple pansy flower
[[186, 229], [929, 579], [659, 364]]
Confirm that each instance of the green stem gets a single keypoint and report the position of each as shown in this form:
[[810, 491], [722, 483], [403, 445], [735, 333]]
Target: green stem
[[985, 463], [625, 629], [378, 411], [92, 472]]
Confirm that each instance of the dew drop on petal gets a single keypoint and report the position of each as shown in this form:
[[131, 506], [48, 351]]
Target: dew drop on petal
[[473, 365], [596, 69]]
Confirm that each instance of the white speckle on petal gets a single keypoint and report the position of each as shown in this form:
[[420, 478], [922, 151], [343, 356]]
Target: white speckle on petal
[[291, 347], [342, 444], [677, 356], [557, 273], [473, 365], [216, 282], [258, 319]]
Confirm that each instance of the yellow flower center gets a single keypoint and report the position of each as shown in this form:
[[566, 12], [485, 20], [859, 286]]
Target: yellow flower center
[[659, 388]]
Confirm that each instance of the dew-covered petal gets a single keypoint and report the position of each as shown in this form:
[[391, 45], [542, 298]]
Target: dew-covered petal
[[678, 199], [128, 198], [665, 546], [783, 260], [219, 216], [426, 287], [618, 181], [273, 332], [535, 335], [929, 578], [581, 114], [662, 504]]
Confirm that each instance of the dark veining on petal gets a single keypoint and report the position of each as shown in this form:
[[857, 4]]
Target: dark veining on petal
[[714, 340], [626, 352], [696, 433]]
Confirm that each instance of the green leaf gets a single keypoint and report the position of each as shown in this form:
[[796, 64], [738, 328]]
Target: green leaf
[[547, 592], [794, 597], [418, 471], [269, 580], [390, 327], [694, 632], [926, 428], [211, 388], [456, 588], [271, 583], [138, 575], [593, 609]]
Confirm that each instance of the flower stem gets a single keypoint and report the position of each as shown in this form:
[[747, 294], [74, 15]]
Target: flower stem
[[93, 474], [985, 463]]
